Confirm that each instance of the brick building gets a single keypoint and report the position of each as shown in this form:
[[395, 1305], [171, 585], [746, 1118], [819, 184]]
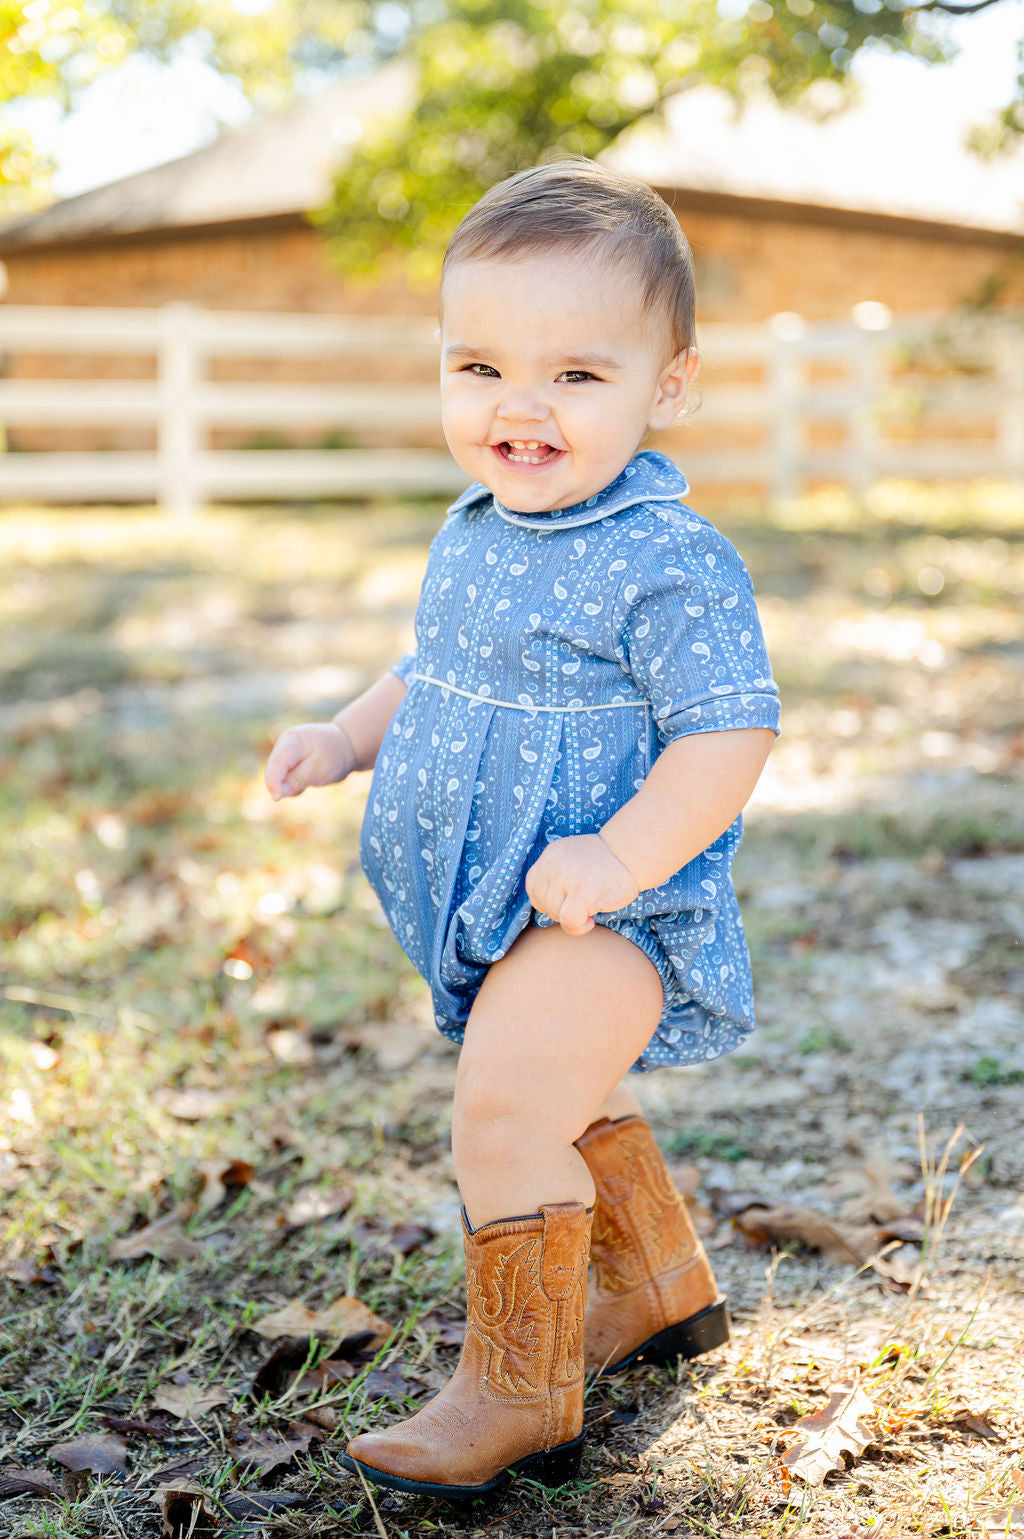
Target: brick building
[[783, 214]]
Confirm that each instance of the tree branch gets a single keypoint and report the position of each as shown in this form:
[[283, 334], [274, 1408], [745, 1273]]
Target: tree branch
[[952, 8]]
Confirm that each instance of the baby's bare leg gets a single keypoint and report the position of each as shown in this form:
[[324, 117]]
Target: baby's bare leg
[[556, 1024]]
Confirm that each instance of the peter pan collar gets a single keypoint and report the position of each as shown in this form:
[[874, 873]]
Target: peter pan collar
[[649, 477]]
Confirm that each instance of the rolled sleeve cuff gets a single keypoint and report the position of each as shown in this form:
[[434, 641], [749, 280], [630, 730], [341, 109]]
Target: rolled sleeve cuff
[[405, 667], [719, 713]]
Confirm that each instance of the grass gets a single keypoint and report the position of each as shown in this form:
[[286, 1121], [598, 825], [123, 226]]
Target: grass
[[198, 983]]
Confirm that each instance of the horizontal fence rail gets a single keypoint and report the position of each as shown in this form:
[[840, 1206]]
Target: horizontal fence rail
[[928, 397]]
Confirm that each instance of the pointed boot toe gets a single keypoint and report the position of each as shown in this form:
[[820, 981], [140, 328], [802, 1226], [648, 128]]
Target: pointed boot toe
[[515, 1402]]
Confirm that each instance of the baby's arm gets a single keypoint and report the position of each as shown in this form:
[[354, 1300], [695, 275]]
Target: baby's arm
[[322, 753], [697, 787]]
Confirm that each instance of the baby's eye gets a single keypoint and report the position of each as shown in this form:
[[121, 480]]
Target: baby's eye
[[482, 371], [575, 376]]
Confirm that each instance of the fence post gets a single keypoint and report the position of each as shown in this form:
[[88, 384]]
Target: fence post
[[1009, 358], [871, 318], [178, 441], [783, 378], [861, 429]]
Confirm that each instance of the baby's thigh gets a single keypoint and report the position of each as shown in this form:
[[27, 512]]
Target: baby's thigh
[[559, 1020]]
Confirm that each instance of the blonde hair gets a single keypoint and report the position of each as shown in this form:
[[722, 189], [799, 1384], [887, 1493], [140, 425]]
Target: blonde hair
[[573, 205]]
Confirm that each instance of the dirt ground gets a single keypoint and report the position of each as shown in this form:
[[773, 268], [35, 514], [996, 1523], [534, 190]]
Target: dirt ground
[[221, 1094]]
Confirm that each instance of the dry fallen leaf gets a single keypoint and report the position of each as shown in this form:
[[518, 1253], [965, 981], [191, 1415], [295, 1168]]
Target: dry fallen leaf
[[870, 1184], [977, 1424], [193, 1103], [345, 1317], [901, 1265], [19, 1482], [24, 1272], [838, 1242], [181, 1470], [189, 1401], [216, 1176], [312, 1204], [826, 1435], [402, 1239], [102, 1453], [450, 1333], [154, 1427], [387, 1384], [1002, 1523], [333, 1370], [265, 1450], [186, 1509], [164, 1239], [246, 1505], [395, 1045], [291, 1047], [279, 1369]]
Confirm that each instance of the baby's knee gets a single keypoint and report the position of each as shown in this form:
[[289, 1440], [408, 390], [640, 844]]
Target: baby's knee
[[491, 1119]]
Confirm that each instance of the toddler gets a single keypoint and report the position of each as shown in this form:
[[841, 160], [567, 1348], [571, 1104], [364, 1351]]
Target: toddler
[[559, 771]]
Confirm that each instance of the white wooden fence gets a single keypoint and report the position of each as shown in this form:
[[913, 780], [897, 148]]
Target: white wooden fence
[[889, 385]]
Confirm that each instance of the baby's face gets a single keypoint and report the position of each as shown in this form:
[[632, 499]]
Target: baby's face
[[551, 375]]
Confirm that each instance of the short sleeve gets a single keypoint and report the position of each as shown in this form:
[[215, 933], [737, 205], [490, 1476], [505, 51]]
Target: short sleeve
[[405, 667], [691, 637]]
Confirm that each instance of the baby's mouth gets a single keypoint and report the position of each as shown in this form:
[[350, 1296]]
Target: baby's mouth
[[526, 451]]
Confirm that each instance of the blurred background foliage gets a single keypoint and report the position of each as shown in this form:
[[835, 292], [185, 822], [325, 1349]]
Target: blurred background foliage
[[498, 84]]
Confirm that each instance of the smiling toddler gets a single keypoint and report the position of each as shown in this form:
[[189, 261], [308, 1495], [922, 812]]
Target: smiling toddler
[[559, 772]]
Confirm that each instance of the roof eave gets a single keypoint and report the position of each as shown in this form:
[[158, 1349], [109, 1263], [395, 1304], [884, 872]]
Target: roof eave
[[682, 199]]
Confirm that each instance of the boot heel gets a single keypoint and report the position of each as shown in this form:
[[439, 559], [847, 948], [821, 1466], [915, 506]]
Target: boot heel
[[690, 1338], [555, 1466]]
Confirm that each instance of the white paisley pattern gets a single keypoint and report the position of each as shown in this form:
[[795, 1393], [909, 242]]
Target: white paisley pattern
[[557, 654]]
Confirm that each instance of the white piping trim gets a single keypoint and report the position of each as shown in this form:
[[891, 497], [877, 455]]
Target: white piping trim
[[517, 705]]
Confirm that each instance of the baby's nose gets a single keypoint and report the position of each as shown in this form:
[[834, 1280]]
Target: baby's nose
[[522, 405]]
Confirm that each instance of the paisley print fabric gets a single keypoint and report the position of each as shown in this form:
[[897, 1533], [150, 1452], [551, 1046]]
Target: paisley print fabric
[[557, 655]]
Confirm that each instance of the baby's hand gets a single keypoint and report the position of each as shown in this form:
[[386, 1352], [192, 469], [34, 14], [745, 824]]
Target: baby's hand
[[318, 754], [576, 878]]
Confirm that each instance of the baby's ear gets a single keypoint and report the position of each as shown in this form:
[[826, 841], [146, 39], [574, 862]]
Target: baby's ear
[[675, 381]]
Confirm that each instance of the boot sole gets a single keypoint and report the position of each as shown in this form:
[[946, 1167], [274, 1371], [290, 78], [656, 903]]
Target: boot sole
[[701, 1333], [550, 1467]]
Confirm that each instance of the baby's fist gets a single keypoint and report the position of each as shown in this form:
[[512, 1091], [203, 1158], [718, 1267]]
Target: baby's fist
[[576, 878], [318, 754]]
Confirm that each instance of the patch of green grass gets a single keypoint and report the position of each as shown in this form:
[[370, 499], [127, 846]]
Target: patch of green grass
[[139, 855], [991, 823], [707, 1143], [823, 1039], [992, 1071]]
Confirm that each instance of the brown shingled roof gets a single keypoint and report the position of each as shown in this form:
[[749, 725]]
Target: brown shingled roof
[[863, 159]]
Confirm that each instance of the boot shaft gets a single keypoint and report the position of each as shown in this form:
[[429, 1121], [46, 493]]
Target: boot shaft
[[642, 1233], [526, 1299]]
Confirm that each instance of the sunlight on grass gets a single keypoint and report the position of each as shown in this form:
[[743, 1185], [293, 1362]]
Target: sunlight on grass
[[197, 980]]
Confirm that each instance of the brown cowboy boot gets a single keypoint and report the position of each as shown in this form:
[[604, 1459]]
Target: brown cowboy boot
[[515, 1401], [653, 1296]]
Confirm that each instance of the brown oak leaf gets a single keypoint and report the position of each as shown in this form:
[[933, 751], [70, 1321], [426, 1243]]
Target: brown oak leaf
[[826, 1435], [838, 1242], [164, 1239], [345, 1317]]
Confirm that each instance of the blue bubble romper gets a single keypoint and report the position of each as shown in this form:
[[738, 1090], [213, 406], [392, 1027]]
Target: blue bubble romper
[[556, 656]]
